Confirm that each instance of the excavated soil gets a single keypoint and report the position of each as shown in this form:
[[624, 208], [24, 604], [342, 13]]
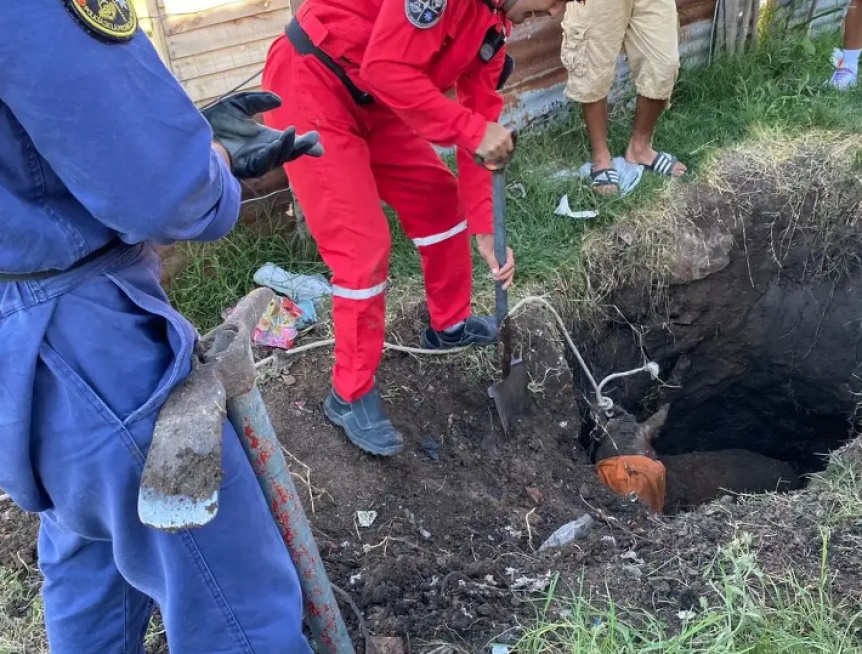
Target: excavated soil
[[756, 350]]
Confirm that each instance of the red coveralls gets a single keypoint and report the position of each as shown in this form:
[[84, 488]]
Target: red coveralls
[[382, 152]]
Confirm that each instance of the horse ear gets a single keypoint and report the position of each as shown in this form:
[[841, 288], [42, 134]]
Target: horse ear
[[652, 425]]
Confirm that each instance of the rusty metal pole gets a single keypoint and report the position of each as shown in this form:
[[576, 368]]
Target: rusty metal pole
[[249, 417]]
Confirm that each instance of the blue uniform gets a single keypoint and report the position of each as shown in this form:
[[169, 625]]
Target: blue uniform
[[98, 142]]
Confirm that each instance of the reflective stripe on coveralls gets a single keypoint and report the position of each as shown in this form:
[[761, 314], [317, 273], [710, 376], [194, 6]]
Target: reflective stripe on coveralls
[[439, 238], [358, 294]]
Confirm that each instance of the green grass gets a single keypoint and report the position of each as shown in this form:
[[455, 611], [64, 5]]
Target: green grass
[[746, 613], [780, 87]]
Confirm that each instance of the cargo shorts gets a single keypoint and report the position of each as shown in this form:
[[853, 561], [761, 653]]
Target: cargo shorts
[[594, 33]]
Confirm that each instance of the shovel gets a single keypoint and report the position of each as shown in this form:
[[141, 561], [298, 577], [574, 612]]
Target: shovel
[[511, 394]]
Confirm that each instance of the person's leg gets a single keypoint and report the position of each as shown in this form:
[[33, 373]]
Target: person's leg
[[847, 70], [853, 27], [89, 606], [596, 118], [415, 182], [640, 149], [343, 211], [652, 48], [111, 351], [593, 34]]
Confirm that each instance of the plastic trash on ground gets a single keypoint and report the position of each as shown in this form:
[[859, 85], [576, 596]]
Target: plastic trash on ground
[[280, 325], [296, 286], [630, 174], [366, 518], [563, 209], [575, 530]]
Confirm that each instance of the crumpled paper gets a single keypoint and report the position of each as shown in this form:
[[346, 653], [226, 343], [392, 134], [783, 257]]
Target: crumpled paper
[[564, 209]]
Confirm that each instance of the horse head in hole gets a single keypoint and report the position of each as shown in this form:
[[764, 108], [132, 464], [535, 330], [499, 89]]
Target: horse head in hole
[[621, 435], [693, 478]]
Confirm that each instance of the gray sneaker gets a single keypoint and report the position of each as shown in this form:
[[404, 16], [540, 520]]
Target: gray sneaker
[[365, 423]]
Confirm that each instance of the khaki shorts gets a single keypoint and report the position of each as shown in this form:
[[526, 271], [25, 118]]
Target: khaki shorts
[[596, 32]]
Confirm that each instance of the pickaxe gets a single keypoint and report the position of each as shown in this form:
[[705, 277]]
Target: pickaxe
[[182, 475]]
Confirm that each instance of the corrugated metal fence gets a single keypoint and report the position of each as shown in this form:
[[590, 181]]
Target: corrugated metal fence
[[212, 46], [537, 89]]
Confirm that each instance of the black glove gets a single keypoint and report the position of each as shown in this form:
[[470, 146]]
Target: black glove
[[255, 149]]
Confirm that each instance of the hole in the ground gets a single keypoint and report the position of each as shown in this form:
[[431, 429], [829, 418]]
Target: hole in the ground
[[751, 432], [760, 413]]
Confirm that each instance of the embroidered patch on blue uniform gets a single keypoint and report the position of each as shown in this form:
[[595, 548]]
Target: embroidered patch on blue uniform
[[424, 14], [113, 21]]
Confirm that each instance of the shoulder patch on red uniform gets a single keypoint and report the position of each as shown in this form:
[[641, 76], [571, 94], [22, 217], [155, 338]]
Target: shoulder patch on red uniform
[[113, 21], [424, 14]]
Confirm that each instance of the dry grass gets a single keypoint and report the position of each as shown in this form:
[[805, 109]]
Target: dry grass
[[21, 613], [839, 487], [747, 613]]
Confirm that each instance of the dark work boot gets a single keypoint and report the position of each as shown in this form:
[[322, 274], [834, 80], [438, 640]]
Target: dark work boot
[[476, 330], [365, 422]]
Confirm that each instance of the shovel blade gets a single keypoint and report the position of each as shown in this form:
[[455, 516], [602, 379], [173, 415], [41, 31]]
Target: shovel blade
[[183, 472], [511, 395]]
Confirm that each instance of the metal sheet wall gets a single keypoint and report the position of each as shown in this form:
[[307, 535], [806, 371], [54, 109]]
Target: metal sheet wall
[[536, 88]]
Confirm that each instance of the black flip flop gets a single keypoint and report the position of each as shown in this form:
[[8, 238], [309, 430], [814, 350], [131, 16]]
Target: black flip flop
[[605, 177], [663, 164]]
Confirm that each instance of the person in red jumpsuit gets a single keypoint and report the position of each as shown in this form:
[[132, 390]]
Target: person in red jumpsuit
[[371, 77]]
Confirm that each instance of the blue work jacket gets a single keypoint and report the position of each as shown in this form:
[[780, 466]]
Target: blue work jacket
[[99, 144]]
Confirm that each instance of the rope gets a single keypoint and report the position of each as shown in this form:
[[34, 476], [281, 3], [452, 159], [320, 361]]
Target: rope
[[258, 198], [233, 90], [602, 401]]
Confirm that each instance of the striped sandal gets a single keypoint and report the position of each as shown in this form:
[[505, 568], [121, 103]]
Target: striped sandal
[[605, 177], [663, 164]]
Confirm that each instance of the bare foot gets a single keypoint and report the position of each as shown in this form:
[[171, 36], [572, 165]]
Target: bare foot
[[646, 156], [604, 162]]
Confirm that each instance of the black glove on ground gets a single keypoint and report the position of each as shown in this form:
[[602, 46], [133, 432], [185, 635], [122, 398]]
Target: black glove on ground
[[255, 149]]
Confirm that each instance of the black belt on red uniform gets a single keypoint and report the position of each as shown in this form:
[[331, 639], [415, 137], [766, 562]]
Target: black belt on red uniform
[[46, 274], [302, 42]]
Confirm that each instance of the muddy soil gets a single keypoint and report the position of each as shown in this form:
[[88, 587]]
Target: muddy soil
[[755, 350], [461, 513], [17, 538], [758, 341]]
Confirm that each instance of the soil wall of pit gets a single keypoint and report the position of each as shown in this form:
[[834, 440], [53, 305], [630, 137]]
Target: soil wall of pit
[[759, 331]]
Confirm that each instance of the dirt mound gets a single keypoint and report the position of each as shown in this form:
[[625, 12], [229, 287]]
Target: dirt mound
[[752, 317], [459, 515]]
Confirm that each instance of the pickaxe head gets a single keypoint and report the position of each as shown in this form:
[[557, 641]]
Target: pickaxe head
[[183, 472]]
